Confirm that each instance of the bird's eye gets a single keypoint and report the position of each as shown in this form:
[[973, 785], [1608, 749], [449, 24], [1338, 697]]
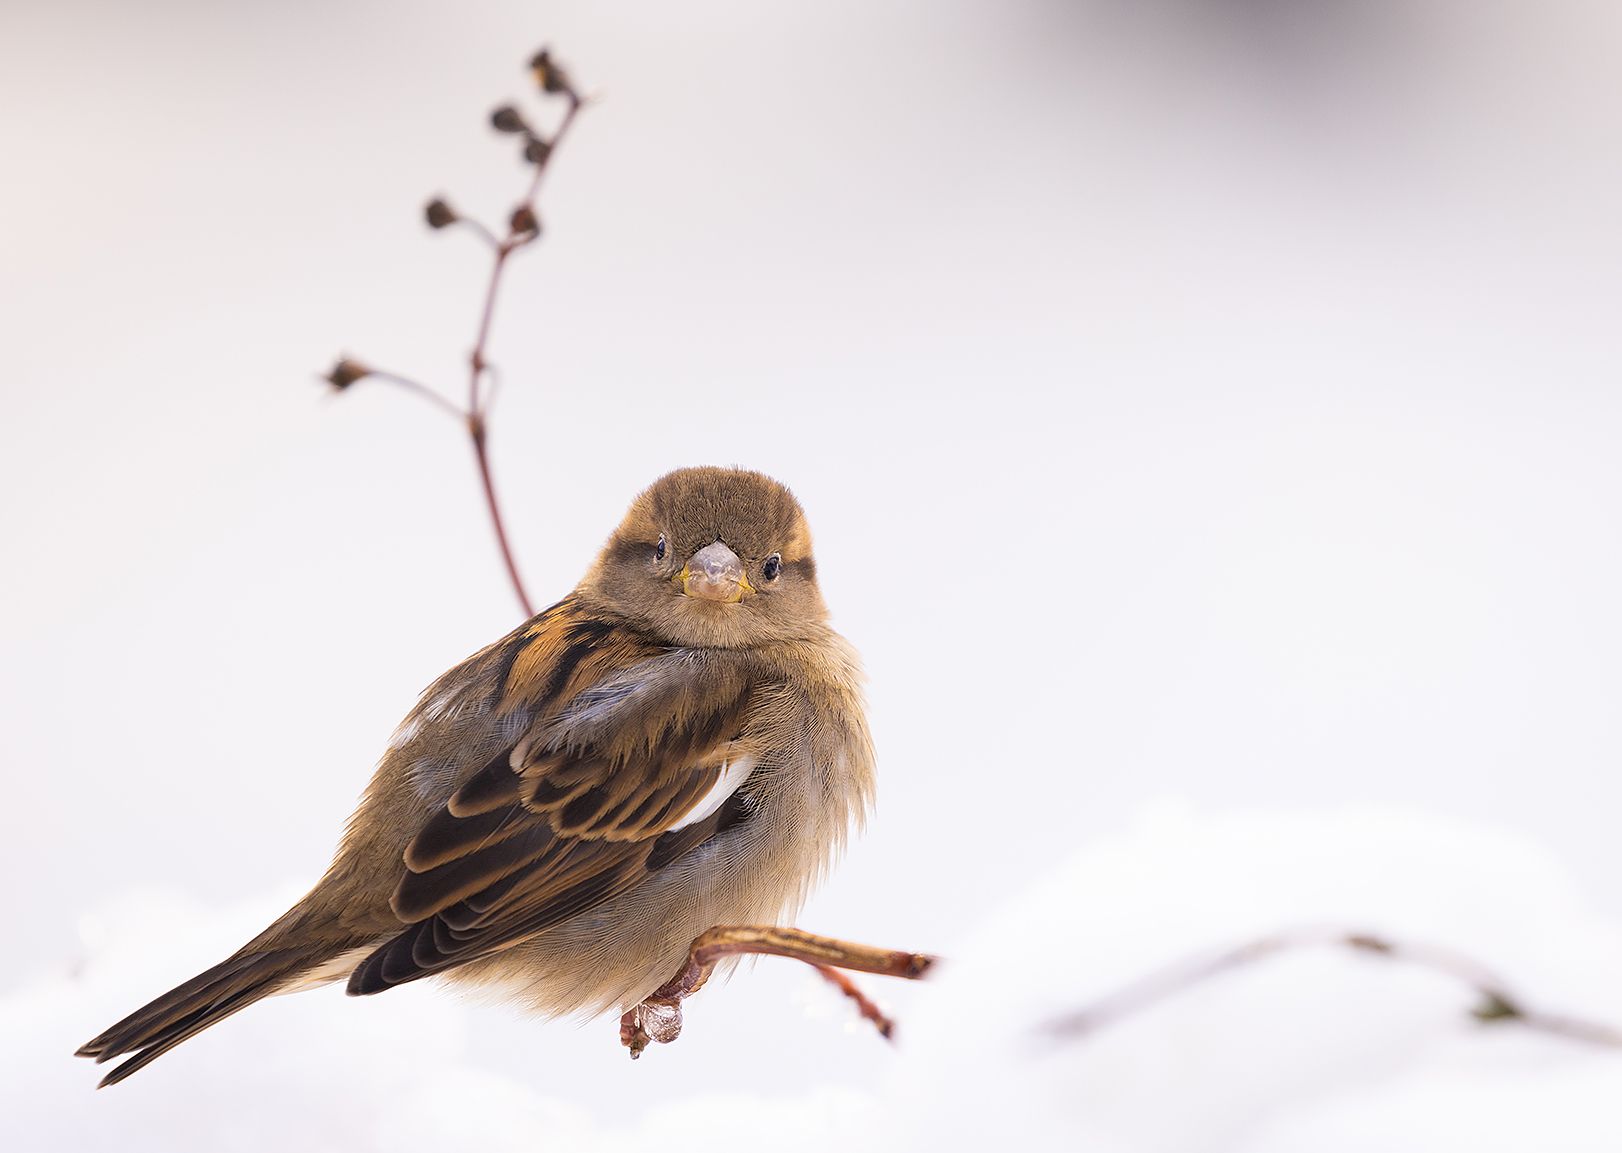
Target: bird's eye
[[773, 566], [659, 549]]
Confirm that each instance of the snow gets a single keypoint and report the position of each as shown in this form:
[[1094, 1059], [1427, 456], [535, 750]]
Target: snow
[[1310, 1050], [1315, 1049]]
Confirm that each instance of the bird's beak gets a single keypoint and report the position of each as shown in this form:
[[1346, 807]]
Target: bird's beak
[[714, 573]]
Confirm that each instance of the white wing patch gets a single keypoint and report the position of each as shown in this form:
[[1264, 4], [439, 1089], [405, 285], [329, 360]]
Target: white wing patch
[[733, 774]]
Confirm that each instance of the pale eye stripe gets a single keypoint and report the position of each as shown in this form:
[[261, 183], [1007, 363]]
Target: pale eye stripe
[[733, 774]]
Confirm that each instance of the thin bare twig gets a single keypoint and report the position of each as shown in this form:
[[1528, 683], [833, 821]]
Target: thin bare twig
[[417, 388], [1495, 1004], [515, 240], [479, 229], [523, 228], [518, 235], [865, 1005]]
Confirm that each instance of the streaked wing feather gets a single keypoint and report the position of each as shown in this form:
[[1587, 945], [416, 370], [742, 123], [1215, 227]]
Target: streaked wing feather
[[629, 741]]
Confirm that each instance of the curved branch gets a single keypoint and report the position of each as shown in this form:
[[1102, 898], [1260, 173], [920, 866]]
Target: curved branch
[[523, 228], [1496, 1003]]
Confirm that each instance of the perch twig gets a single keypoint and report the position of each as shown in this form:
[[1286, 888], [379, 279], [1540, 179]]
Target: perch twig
[[659, 1018]]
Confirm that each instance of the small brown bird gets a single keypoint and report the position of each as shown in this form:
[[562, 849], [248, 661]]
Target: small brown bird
[[678, 743]]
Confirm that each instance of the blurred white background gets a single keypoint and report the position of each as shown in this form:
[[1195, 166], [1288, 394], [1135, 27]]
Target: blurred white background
[[1208, 401]]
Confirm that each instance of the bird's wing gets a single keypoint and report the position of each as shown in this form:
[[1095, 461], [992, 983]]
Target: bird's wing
[[634, 761]]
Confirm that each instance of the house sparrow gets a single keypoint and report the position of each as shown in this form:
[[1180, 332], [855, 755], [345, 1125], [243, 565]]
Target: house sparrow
[[678, 743]]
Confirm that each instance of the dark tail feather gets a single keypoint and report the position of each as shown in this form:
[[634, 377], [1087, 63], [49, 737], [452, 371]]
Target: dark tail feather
[[207, 998]]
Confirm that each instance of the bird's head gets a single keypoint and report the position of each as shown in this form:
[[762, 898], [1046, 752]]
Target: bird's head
[[714, 557]]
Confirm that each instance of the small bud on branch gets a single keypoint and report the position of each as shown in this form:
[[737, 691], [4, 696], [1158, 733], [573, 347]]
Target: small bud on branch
[[524, 223], [345, 373], [536, 150], [550, 76], [440, 214], [507, 119]]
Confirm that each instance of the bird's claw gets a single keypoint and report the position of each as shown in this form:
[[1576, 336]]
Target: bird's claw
[[656, 1019]]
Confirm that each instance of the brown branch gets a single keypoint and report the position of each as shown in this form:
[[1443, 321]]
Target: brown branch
[[476, 430], [797, 944], [417, 388], [1495, 1002], [866, 1006], [482, 231], [659, 1017], [523, 228]]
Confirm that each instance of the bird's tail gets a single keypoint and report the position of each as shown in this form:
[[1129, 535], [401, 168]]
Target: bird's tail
[[210, 997]]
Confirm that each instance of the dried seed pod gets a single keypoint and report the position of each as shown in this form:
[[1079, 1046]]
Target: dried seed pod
[[524, 222], [439, 214], [536, 150], [549, 75], [507, 119], [345, 373]]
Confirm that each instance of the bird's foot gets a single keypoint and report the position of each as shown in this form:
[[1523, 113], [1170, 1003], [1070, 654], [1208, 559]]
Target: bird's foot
[[656, 1019]]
